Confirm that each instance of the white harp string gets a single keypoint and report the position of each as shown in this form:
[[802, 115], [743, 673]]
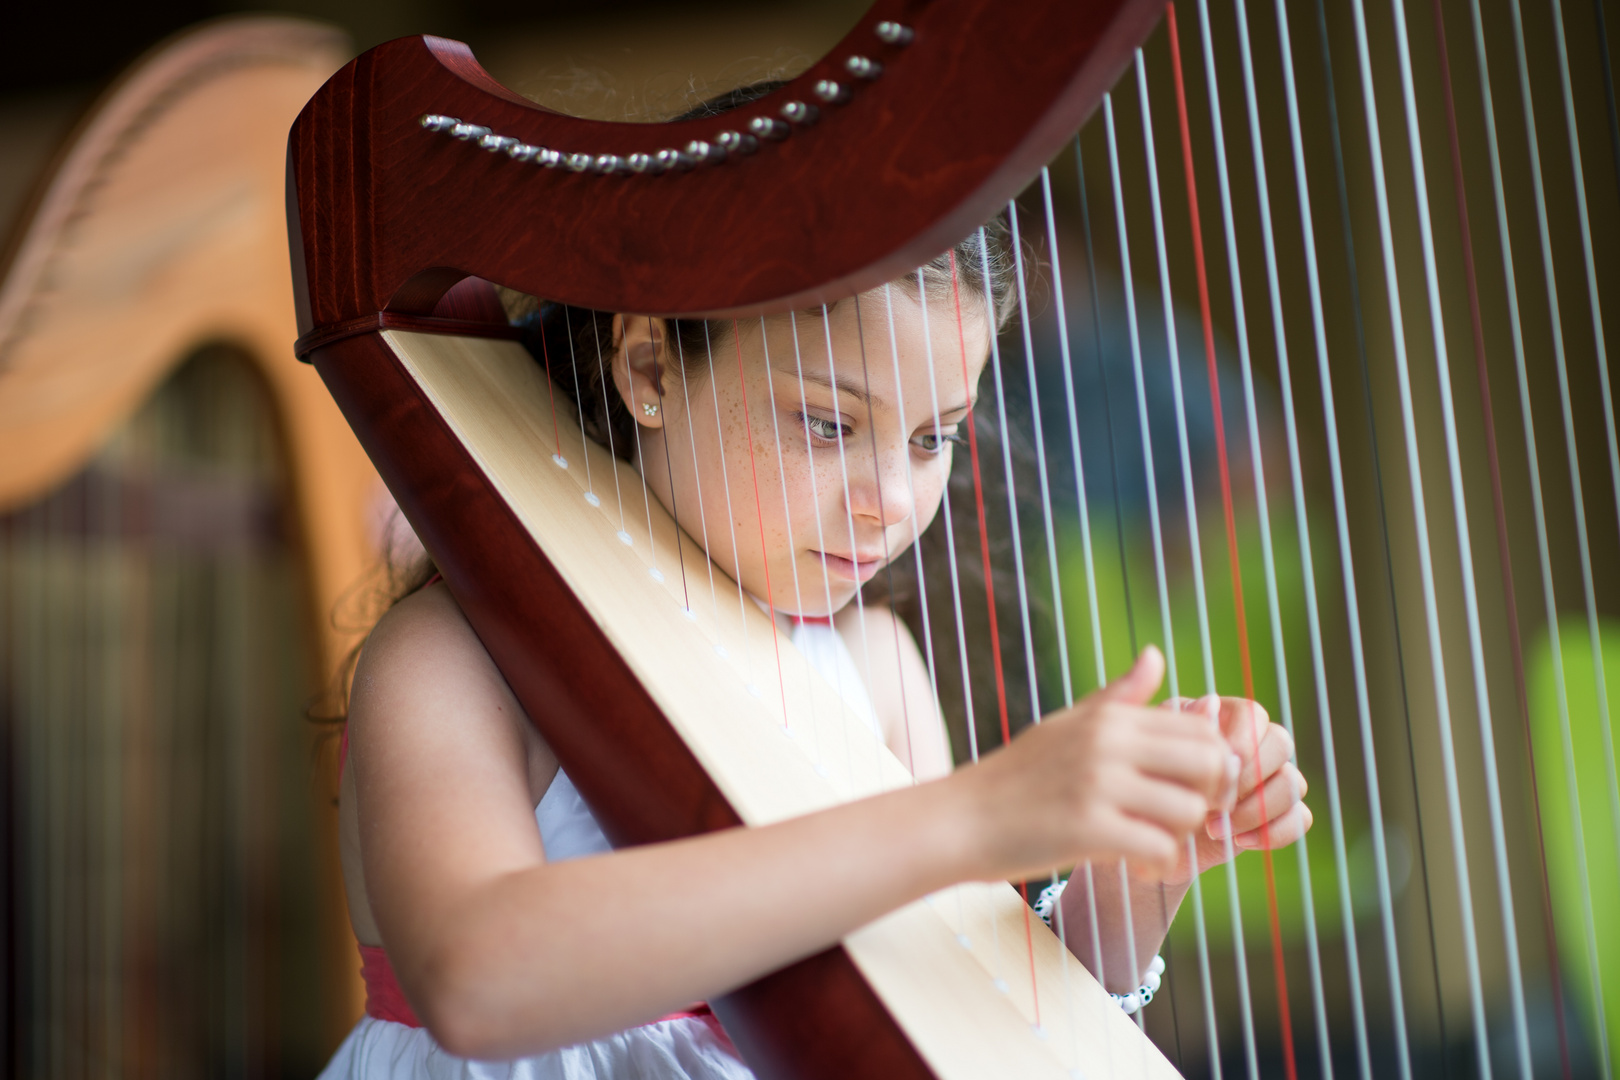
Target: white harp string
[[1153, 504], [821, 540], [607, 427], [1415, 479], [1476, 643], [1083, 509], [787, 515], [731, 518], [971, 721], [1554, 633], [579, 397], [1308, 572], [883, 512], [641, 470], [849, 505], [1252, 419], [932, 712], [1195, 553], [1046, 502], [697, 479], [1595, 306]]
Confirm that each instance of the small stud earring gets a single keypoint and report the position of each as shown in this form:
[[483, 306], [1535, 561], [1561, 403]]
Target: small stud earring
[[649, 410]]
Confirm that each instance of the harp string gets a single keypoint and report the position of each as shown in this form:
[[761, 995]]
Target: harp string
[[883, 513], [1084, 510], [1594, 305], [731, 519], [1130, 613], [1158, 551], [1245, 998], [1482, 374], [849, 506], [1499, 204], [950, 540], [1296, 473], [697, 480], [787, 517], [613, 453], [1279, 968], [641, 460], [669, 472], [579, 396], [821, 540], [1018, 569], [551, 397], [1352, 603], [1471, 601], [1414, 472], [759, 517], [1252, 415], [817, 751], [953, 574], [1553, 631], [911, 497], [984, 553], [1108, 402], [1012, 497]]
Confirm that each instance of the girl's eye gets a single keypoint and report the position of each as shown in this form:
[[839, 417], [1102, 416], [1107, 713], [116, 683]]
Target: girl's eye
[[826, 430], [934, 441]]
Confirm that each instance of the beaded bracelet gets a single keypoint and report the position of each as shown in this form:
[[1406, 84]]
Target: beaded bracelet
[[1046, 903]]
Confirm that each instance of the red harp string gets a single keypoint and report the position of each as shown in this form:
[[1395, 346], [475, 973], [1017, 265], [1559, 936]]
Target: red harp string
[[1279, 966]]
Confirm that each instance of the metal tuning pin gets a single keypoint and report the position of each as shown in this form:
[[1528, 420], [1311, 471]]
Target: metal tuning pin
[[735, 143], [521, 151], [469, 132], [641, 164], [705, 153], [547, 157], [577, 162], [607, 164], [436, 122], [497, 144], [863, 67], [766, 127], [893, 33], [797, 112], [671, 160], [831, 92]]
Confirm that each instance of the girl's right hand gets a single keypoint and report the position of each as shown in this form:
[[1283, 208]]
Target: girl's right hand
[[1108, 778]]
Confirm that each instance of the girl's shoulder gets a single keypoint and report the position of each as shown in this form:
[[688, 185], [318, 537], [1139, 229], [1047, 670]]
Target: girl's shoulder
[[423, 650]]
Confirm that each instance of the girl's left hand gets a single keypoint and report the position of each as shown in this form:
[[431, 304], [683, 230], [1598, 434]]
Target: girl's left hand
[[1269, 811]]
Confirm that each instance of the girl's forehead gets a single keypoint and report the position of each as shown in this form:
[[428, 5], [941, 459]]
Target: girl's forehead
[[868, 333]]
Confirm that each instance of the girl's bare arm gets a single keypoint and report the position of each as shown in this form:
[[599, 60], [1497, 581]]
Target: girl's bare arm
[[503, 954]]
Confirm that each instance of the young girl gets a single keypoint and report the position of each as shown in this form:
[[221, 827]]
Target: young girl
[[495, 922]]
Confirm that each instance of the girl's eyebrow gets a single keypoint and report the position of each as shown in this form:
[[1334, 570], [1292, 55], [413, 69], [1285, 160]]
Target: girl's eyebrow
[[846, 384]]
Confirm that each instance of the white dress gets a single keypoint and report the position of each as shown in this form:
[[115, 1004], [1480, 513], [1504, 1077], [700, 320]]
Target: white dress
[[685, 1048]]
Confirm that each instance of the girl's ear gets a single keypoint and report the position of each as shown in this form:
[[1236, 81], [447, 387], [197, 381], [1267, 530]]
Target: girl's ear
[[640, 364]]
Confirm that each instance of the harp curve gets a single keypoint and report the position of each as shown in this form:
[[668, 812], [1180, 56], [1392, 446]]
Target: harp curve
[[772, 229]]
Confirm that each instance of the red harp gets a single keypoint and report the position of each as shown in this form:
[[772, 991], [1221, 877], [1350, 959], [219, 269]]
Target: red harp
[[413, 171]]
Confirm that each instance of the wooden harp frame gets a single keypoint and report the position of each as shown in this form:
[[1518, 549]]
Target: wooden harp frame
[[387, 215]]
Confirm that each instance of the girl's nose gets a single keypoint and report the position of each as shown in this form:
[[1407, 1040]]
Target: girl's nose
[[880, 493]]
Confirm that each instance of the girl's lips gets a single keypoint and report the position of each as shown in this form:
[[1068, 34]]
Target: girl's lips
[[861, 570]]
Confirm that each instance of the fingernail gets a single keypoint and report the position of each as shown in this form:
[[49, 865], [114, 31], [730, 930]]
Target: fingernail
[[1216, 828]]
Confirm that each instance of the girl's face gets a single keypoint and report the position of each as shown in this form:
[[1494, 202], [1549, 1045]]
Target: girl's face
[[803, 469]]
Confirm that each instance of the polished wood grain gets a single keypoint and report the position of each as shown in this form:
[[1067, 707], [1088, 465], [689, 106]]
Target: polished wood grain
[[385, 215]]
